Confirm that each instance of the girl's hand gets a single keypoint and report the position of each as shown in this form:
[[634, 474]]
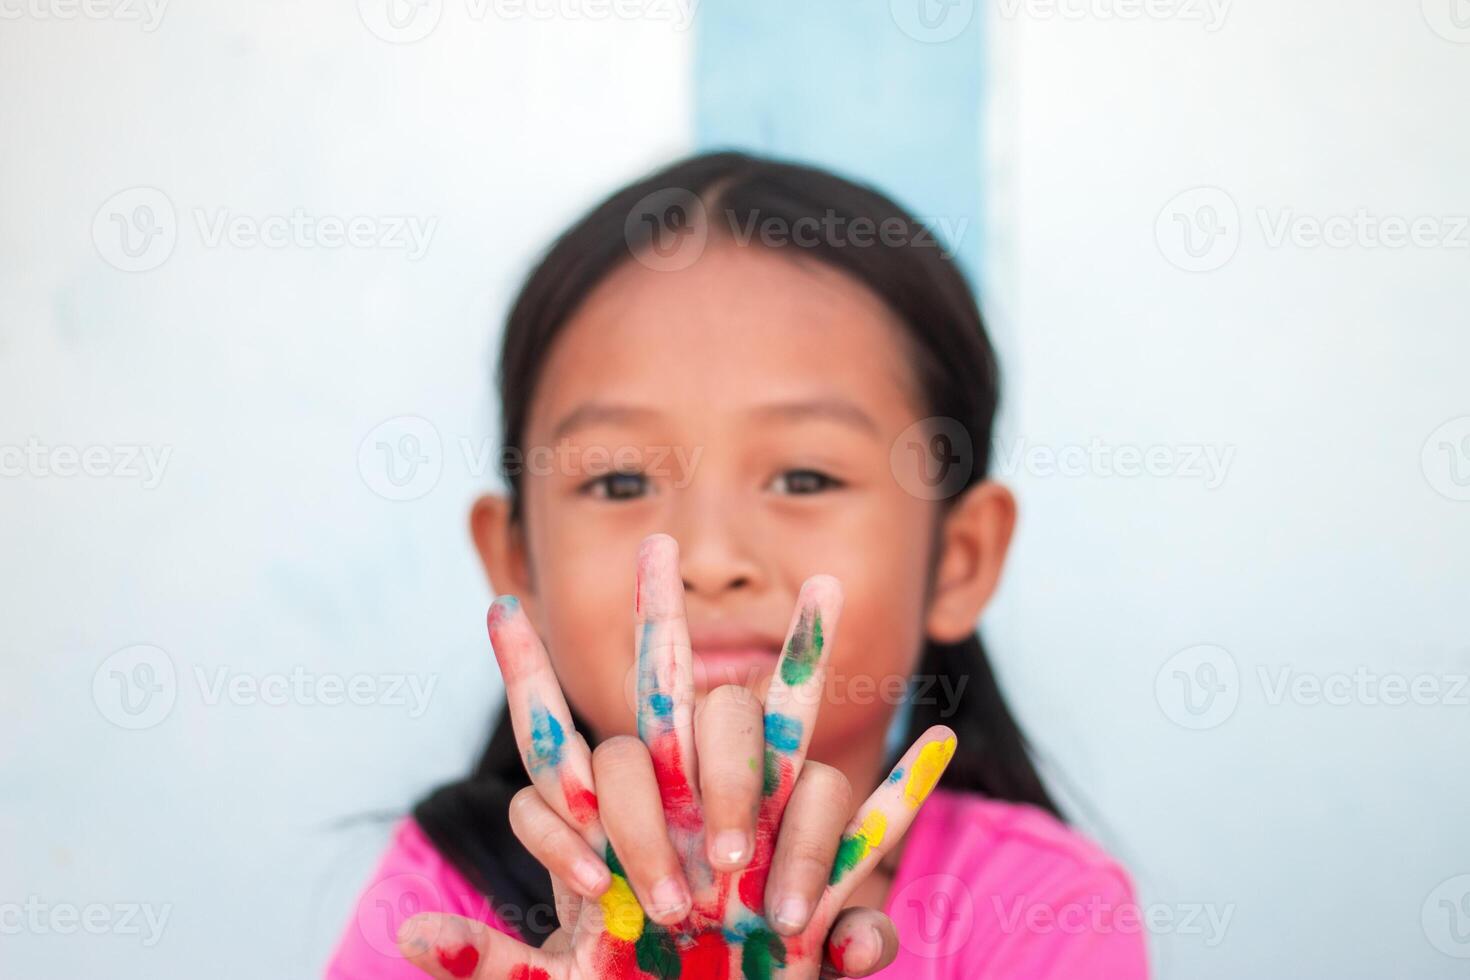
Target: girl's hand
[[679, 870]]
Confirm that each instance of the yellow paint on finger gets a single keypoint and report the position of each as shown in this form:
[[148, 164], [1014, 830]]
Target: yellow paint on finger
[[622, 915], [927, 769]]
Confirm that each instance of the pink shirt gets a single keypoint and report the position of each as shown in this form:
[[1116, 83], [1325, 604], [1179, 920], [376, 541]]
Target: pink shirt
[[984, 889]]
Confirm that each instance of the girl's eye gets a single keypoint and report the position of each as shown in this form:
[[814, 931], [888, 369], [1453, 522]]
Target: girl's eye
[[804, 482], [616, 486]]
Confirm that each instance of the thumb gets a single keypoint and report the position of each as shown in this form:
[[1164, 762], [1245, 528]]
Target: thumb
[[861, 942], [450, 947]]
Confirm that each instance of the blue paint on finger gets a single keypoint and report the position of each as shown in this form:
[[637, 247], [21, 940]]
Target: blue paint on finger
[[547, 739], [783, 733]]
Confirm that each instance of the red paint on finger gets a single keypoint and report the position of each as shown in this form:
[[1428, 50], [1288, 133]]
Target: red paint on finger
[[524, 971], [581, 801], [673, 786], [460, 962], [616, 958], [837, 952], [708, 958]]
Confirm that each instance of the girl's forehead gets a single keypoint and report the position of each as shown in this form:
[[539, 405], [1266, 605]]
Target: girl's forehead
[[743, 326]]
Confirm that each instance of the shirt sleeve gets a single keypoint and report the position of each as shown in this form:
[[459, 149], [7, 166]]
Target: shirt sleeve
[[411, 878]]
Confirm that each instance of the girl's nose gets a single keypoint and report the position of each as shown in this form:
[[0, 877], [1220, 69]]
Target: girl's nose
[[715, 556]]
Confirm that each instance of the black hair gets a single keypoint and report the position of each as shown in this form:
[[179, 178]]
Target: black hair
[[885, 248]]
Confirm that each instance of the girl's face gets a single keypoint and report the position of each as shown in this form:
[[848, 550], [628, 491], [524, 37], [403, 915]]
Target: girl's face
[[746, 405]]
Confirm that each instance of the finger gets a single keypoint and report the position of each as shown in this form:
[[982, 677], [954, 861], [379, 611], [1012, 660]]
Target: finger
[[730, 742], [568, 909], [885, 816], [448, 946], [640, 852], [666, 678], [555, 755], [558, 847], [861, 942], [810, 830], [797, 687]]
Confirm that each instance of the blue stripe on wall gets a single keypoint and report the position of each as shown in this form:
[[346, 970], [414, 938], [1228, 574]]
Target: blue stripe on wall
[[886, 91]]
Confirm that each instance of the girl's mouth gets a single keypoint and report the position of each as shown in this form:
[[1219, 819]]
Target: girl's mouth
[[746, 666], [732, 655]]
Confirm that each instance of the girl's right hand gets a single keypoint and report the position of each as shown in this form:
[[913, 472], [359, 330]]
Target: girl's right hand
[[665, 878]]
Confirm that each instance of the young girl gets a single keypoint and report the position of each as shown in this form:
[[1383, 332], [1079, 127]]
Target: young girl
[[743, 402]]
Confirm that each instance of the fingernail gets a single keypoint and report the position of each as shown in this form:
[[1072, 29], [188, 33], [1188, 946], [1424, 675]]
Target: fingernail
[[669, 898], [730, 847], [791, 913], [590, 875], [870, 947]]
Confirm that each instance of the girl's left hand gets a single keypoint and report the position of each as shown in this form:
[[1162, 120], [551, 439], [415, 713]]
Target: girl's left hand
[[735, 920]]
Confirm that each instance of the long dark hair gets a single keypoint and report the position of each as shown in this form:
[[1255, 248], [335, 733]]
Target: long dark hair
[[956, 367]]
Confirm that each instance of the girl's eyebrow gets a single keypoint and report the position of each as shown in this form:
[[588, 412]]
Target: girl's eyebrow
[[838, 410], [592, 413]]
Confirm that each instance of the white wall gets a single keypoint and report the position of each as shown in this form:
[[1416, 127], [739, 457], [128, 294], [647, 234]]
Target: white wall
[[1326, 831], [263, 548]]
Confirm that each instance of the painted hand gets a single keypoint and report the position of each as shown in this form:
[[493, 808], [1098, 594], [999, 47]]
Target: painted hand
[[718, 850]]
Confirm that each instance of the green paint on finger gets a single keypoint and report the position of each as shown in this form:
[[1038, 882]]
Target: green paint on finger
[[855, 846], [804, 649], [657, 954], [763, 954]]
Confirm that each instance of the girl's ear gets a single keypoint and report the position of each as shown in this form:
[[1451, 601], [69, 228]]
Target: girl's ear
[[972, 550], [501, 545]]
